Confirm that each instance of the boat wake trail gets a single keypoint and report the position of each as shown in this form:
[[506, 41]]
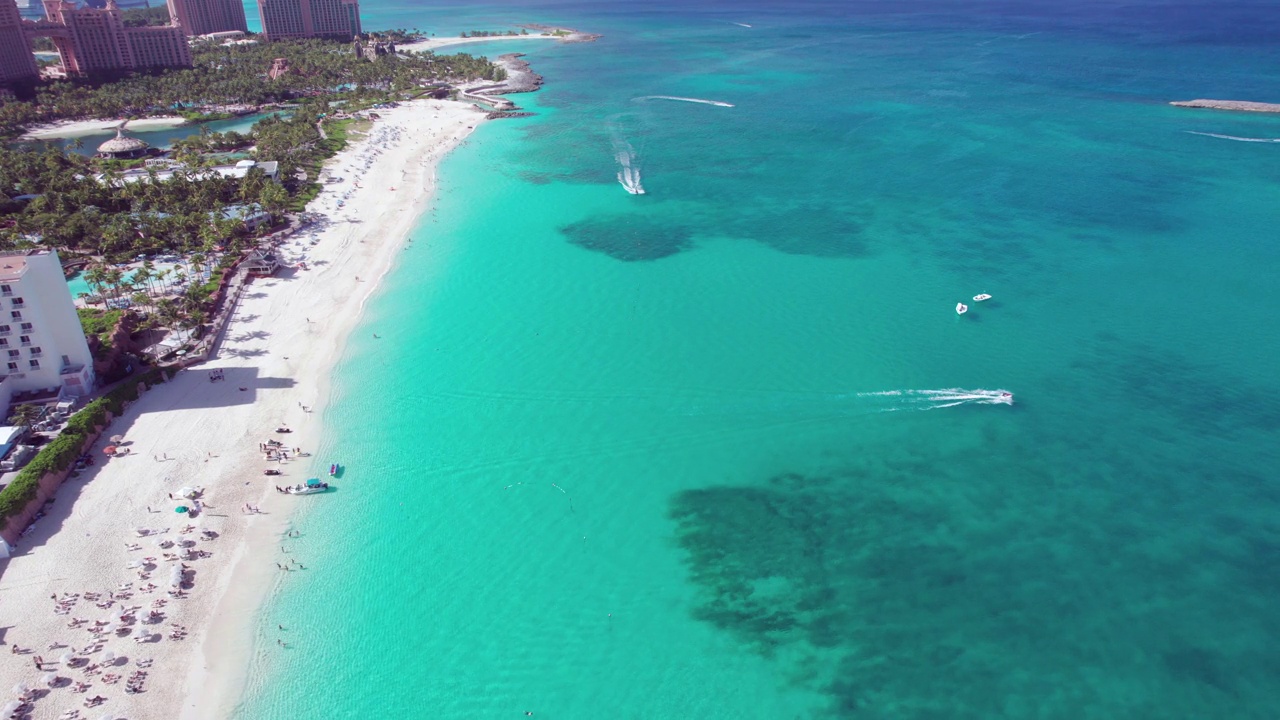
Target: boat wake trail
[[700, 101], [1233, 137], [894, 400], [742, 24], [628, 166]]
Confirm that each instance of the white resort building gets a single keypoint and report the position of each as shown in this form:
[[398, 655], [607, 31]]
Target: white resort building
[[42, 345]]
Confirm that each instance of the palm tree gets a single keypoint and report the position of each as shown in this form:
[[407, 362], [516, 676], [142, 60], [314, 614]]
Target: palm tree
[[24, 416], [96, 277]]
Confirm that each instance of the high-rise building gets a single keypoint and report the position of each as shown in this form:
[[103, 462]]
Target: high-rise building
[[17, 64], [42, 345], [97, 41], [30, 9], [201, 17], [310, 18]]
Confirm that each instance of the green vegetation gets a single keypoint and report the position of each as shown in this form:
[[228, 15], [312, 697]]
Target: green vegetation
[[25, 416], [493, 33], [83, 206], [62, 452], [224, 75], [100, 324], [142, 17], [76, 211]]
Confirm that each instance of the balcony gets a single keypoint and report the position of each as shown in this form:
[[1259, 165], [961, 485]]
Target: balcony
[[72, 369]]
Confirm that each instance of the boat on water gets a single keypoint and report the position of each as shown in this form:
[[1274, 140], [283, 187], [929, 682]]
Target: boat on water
[[312, 487], [982, 297], [961, 308], [333, 469], [1005, 397]]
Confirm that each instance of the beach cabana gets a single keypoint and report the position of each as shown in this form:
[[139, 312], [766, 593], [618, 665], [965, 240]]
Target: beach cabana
[[8, 709]]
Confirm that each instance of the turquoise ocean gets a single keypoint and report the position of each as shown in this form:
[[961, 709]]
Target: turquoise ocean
[[680, 454]]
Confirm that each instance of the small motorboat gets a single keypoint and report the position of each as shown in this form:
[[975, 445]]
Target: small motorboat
[[961, 308], [982, 297], [312, 487], [333, 469]]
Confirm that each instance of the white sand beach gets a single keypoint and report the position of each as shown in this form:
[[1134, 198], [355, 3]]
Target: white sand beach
[[80, 128], [437, 43], [275, 358]]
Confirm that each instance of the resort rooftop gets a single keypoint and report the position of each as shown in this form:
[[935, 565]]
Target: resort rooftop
[[167, 169]]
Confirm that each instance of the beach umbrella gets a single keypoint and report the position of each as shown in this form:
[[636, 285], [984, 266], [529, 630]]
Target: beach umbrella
[[48, 679], [110, 628], [67, 658], [117, 439], [186, 491], [21, 689], [134, 564], [9, 708], [181, 509], [109, 450], [108, 716]]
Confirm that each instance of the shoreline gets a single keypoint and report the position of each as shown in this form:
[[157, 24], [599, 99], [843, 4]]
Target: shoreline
[[215, 689], [287, 333], [64, 129], [569, 36]]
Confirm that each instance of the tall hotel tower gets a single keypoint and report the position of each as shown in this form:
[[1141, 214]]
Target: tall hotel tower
[[201, 17], [17, 64], [310, 18]]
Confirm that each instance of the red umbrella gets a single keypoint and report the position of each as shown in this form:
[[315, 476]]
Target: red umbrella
[[110, 449]]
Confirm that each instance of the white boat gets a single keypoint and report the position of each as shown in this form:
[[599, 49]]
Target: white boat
[[980, 298], [961, 308], [312, 487]]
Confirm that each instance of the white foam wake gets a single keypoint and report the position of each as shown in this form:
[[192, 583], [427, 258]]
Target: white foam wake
[[937, 399], [629, 168], [701, 101], [1233, 137], [742, 24]]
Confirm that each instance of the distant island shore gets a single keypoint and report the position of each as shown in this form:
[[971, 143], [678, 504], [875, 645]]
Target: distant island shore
[[1240, 105]]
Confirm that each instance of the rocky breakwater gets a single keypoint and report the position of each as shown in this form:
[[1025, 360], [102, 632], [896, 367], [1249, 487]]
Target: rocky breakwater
[[1238, 105], [520, 79]]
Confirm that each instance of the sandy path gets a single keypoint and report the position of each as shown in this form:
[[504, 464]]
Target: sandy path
[[276, 355]]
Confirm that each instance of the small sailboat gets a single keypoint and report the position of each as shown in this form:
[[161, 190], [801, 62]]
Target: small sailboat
[[961, 308], [980, 298]]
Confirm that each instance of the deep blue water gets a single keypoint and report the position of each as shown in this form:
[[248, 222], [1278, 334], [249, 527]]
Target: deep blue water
[[622, 455]]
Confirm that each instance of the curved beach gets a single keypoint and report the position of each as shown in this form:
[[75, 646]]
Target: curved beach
[[275, 358]]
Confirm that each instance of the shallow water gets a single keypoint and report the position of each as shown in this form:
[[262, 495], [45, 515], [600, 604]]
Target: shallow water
[[619, 455]]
